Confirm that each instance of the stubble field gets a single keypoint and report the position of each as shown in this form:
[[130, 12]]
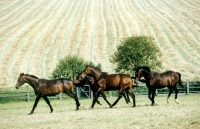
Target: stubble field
[[35, 35], [184, 115]]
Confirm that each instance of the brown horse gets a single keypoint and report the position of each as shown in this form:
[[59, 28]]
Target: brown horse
[[105, 82], [94, 87], [44, 88], [155, 81]]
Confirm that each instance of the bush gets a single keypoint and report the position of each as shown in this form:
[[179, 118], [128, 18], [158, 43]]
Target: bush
[[70, 66]]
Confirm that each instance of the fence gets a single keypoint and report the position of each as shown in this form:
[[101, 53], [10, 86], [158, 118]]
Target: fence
[[27, 93]]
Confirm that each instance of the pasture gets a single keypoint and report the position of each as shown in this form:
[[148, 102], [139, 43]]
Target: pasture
[[177, 116]]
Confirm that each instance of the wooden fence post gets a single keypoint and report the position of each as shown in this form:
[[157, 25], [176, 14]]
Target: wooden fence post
[[27, 94]]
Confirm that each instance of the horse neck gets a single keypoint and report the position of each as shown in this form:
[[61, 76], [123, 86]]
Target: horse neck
[[146, 74], [95, 73], [32, 81]]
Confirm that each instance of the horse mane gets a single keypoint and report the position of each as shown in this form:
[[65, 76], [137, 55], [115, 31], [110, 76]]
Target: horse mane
[[147, 68], [31, 76], [92, 67]]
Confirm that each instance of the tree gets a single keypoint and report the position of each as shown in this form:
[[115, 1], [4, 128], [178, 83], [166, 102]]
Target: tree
[[136, 51], [70, 66]]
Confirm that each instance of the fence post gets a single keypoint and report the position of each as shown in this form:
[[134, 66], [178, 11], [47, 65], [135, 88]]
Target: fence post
[[27, 94], [188, 88], [78, 92], [90, 95]]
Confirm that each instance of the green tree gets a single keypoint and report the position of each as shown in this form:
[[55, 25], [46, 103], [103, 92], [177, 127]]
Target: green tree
[[70, 66], [136, 51]]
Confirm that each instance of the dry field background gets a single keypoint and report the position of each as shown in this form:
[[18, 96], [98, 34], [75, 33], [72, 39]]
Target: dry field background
[[184, 115], [35, 35]]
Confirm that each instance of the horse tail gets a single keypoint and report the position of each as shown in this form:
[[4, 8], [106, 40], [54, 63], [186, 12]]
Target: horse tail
[[180, 82], [134, 82]]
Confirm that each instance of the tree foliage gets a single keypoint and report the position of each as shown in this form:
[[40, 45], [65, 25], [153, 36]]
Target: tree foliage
[[136, 51], [70, 66]]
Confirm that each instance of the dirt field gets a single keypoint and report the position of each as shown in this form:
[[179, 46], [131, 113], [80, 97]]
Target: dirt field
[[35, 35]]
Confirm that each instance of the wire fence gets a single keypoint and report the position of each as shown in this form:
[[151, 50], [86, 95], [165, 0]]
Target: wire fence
[[26, 93]]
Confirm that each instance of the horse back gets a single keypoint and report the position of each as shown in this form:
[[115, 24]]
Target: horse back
[[167, 78], [114, 81], [47, 87]]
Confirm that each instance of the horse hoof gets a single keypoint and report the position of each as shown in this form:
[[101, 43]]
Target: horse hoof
[[89, 108], [167, 101], [176, 101], [129, 103], [82, 106]]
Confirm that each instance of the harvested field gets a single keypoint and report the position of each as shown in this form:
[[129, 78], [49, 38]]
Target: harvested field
[[35, 35]]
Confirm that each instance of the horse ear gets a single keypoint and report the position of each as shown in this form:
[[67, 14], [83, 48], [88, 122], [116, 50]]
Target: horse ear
[[21, 73]]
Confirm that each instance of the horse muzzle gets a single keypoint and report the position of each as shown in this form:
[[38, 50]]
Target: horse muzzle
[[17, 87]]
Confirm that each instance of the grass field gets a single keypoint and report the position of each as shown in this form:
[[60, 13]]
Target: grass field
[[185, 115]]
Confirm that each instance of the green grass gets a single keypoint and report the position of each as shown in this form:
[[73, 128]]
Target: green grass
[[172, 115]]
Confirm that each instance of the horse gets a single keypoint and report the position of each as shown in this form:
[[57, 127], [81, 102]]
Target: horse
[[120, 82], [155, 80], [94, 87], [44, 88], [89, 80]]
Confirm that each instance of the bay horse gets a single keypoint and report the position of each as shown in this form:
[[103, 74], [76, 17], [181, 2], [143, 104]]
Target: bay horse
[[120, 82], [94, 87], [155, 80], [44, 88]]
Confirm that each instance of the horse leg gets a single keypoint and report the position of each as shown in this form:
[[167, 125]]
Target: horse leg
[[104, 97], [153, 96], [35, 104], [100, 90], [176, 95], [47, 101], [76, 100], [126, 97], [149, 94], [133, 97], [95, 99], [119, 97], [170, 92]]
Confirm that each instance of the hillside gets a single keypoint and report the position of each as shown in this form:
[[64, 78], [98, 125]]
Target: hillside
[[35, 35]]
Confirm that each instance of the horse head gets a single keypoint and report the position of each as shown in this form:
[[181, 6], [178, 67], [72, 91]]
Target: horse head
[[91, 71], [80, 79], [140, 72], [20, 81]]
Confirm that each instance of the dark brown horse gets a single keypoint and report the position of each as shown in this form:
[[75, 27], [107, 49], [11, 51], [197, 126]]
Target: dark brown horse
[[105, 82], [44, 88], [155, 81], [88, 80], [94, 87]]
